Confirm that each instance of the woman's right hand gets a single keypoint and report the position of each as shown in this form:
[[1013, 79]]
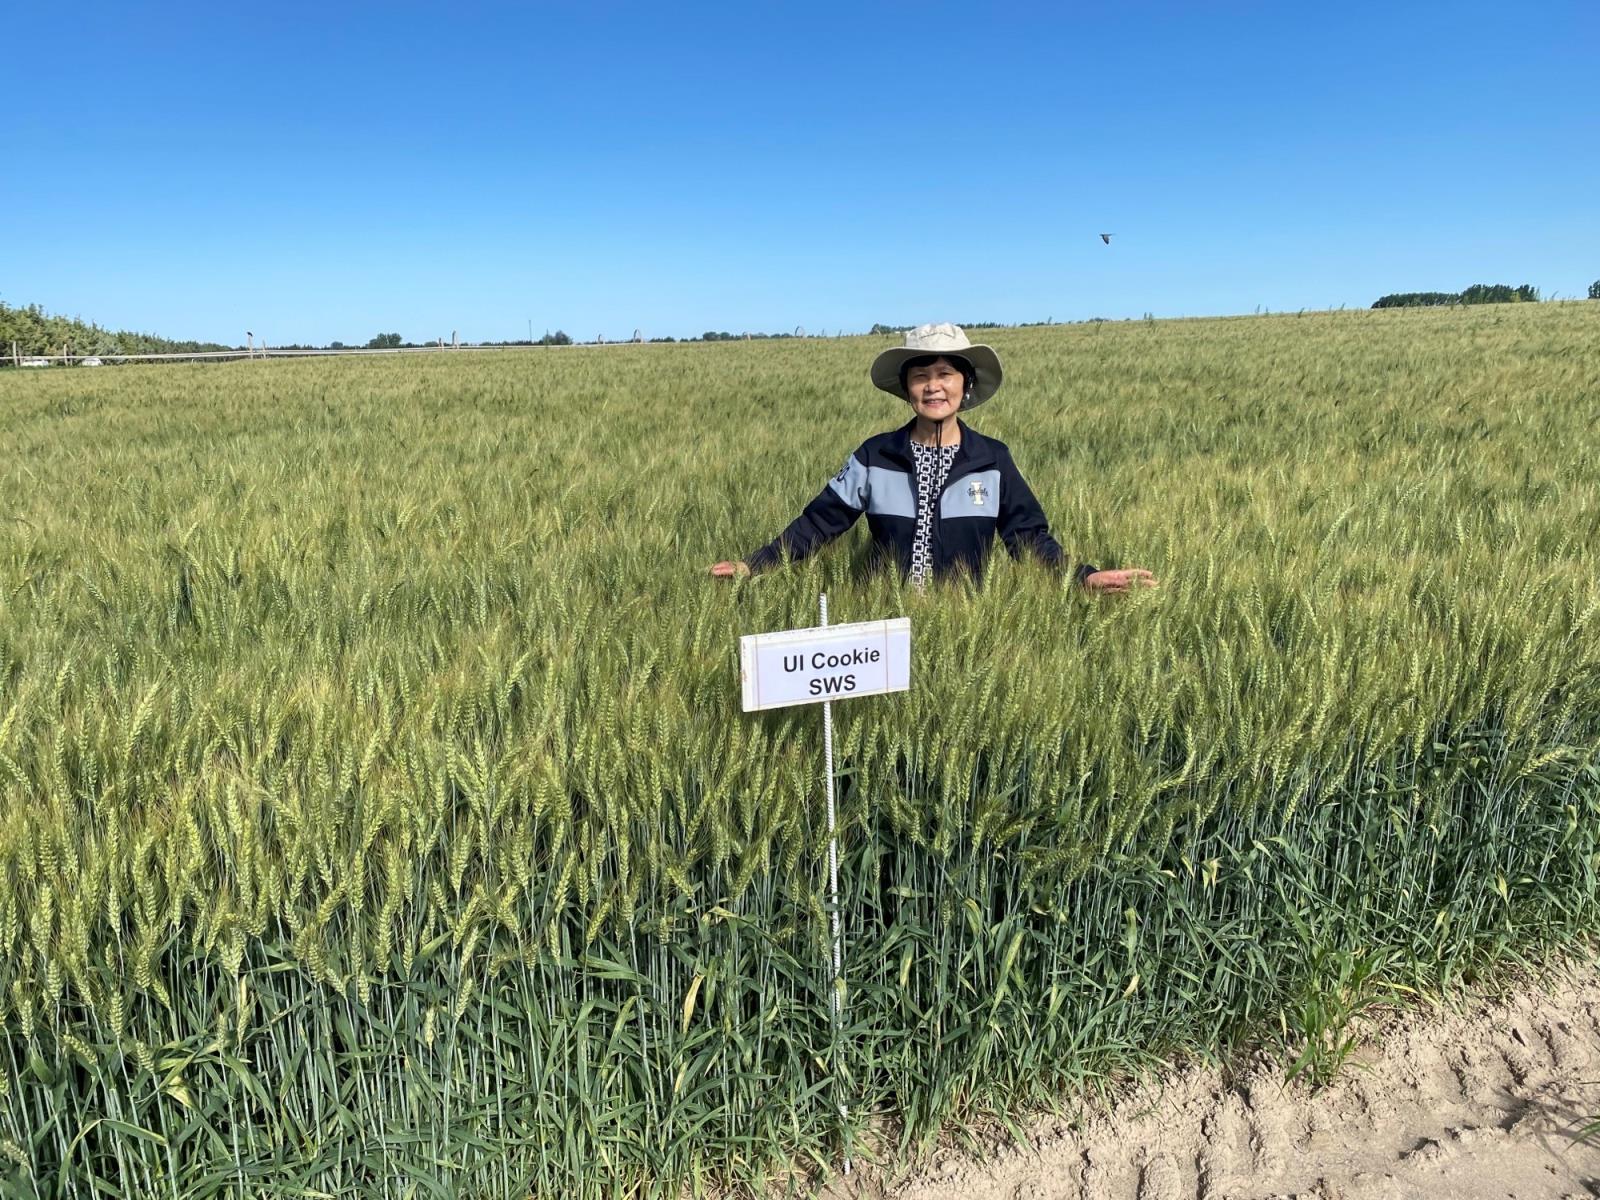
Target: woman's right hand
[[727, 570]]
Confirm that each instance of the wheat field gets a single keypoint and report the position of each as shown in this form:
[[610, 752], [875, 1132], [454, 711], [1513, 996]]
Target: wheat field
[[377, 817]]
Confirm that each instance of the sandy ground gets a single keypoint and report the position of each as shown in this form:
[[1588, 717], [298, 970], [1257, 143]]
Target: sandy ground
[[1476, 1102]]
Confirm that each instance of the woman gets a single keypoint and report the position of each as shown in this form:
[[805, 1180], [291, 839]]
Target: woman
[[935, 493]]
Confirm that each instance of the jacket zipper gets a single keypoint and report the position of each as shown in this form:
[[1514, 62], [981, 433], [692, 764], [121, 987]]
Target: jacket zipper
[[936, 541]]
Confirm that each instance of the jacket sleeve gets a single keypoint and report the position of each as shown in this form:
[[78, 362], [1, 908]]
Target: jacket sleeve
[[1023, 527], [835, 509]]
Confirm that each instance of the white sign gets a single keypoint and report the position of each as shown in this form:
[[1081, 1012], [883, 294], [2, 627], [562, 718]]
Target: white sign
[[832, 662]]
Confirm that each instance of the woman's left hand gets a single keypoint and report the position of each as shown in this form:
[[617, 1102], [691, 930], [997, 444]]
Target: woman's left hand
[[1103, 582]]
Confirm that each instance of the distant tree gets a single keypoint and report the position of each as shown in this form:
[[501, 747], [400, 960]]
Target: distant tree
[[385, 341], [1594, 290], [336, 346], [558, 338]]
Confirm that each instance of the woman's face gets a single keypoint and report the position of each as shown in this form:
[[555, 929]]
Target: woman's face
[[935, 390]]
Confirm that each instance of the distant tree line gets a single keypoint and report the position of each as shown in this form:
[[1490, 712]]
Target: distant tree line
[[714, 335], [1478, 293], [880, 330], [383, 341], [38, 332], [559, 338], [1417, 299]]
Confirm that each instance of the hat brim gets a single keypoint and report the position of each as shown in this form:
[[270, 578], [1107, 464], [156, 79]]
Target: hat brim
[[985, 369]]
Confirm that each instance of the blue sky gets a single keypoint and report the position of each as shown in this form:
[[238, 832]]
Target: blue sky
[[317, 173]]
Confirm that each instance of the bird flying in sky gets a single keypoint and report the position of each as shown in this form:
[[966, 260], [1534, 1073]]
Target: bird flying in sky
[[1106, 238]]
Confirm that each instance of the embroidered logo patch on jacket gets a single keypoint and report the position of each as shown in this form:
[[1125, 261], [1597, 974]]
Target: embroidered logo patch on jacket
[[977, 493]]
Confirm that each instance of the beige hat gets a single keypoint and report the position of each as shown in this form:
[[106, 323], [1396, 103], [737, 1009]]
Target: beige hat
[[945, 339]]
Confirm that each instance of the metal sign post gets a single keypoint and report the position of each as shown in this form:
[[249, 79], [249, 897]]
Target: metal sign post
[[837, 983], [805, 666]]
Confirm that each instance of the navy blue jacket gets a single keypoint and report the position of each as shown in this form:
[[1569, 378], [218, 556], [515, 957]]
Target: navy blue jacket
[[984, 496]]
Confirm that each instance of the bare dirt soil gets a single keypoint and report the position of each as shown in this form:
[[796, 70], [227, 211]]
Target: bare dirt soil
[[1474, 1102]]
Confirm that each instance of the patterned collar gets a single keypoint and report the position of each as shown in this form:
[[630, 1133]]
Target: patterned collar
[[972, 452]]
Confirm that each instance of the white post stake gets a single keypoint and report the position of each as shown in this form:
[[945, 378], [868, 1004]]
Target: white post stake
[[836, 982], [810, 666]]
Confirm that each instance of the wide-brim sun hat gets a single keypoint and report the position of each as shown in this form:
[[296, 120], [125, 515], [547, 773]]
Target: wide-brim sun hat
[[942, 339]]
